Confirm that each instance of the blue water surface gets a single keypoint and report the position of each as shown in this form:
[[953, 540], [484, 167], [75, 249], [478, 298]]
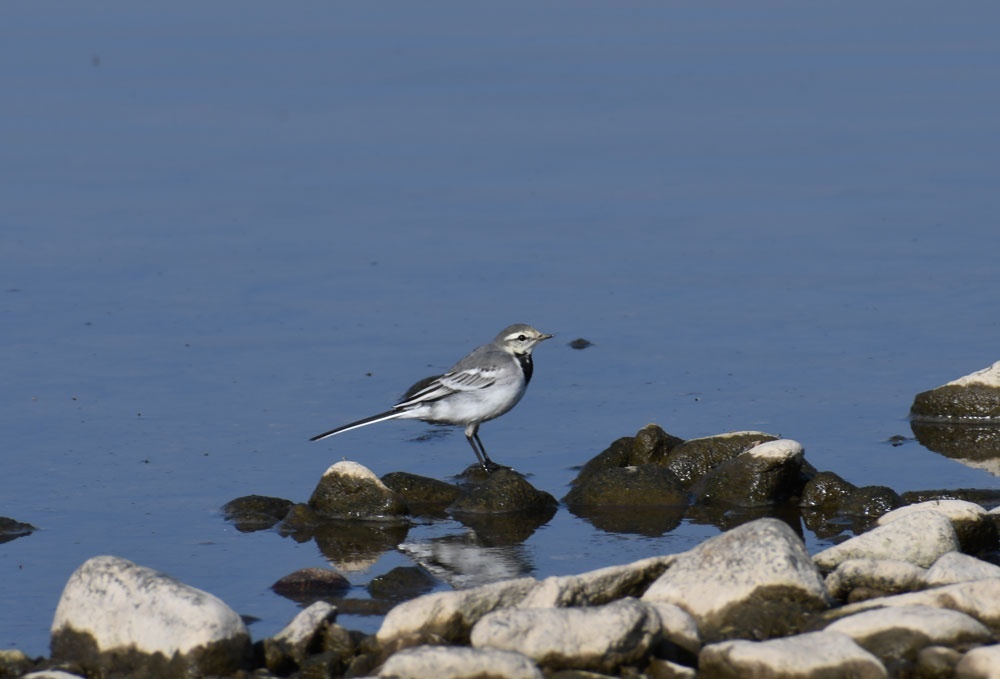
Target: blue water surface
[[228, 227]]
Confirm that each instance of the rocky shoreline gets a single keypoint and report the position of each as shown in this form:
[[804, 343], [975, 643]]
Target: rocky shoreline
[[915, 592]]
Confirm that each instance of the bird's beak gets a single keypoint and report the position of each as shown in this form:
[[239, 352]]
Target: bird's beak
[[545, 336]]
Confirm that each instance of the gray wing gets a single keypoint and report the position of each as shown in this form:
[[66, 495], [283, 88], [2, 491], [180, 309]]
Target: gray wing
[[475, 371]]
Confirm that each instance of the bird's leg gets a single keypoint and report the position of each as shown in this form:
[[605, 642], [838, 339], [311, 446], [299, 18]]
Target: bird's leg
[[488, 464], [479, 456]]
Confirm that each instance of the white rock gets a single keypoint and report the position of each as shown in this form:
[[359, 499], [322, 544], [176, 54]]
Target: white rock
[[678, 627], [665, 669], [817, 654], [129, 607], [598, 638], [596, 587], [980, 599], [920, 538], [980, 663], [355, 470], [782, 450], [453, 662], [451, 614], [885, 575], [901, 631], [303, 626], [50, 674], [959, 511], [728, 579], [989, 377], [957, 567]]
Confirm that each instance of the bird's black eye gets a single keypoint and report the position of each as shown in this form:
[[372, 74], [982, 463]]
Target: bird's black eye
[[521, 338]]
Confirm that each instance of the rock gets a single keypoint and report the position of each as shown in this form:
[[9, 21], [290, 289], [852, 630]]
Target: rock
[[502, 492], [650, 445], [974, 443], [401, 583], [117, 617], [756, 580], [449, 662], [661, 669], [872, 578], [642, 486], [50, 674], [451, 615], [980, 599], [869, 501], [422, 494], [769, 472], [255, 512], [14, 663], [286, 651], [973, 396], [936, 662], [596, 587], [980, 663], [678, 628], [694, 458], [956, 567], [349, 490], [600, 638], [976, 532], [825, 489], [816, 654], [309, 584], [895, 635], [11, 529], [919, 538]]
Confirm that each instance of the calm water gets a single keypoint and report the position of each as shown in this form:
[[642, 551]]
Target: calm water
[[227, 228]]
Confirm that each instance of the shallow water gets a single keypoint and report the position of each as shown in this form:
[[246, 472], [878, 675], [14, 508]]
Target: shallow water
[[226, 229]]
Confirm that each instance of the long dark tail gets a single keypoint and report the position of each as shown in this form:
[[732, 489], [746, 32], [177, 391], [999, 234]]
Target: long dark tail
[[381, 417]]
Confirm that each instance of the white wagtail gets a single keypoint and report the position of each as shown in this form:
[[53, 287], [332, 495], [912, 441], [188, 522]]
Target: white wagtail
[[482, 386]]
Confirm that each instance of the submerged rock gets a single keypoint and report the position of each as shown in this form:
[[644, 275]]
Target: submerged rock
[[255, 512], [423, 494], [636, 486], [310, 584], [11, 529], [349, 490], [117, 617], [975, 396]]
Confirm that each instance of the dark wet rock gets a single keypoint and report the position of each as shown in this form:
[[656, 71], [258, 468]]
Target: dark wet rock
[[401, 583], [974, 396], [287, 650], [310, 584], [650, 445], [825, 489], [870, 501], [422, 494], [638, 486], [766, 474], [985, 497], [115, 617], [11, 529], [255, 512], [499, 492], [974, 444], [349, 490], [755, 581], [600, 638], [694, 458]]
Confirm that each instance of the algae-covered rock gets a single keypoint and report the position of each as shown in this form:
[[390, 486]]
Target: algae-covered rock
[[973, 396]]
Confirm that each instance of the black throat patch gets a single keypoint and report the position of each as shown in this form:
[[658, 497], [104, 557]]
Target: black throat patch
[[527, 367]]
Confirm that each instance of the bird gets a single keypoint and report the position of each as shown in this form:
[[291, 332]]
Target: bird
[[484, 385]]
